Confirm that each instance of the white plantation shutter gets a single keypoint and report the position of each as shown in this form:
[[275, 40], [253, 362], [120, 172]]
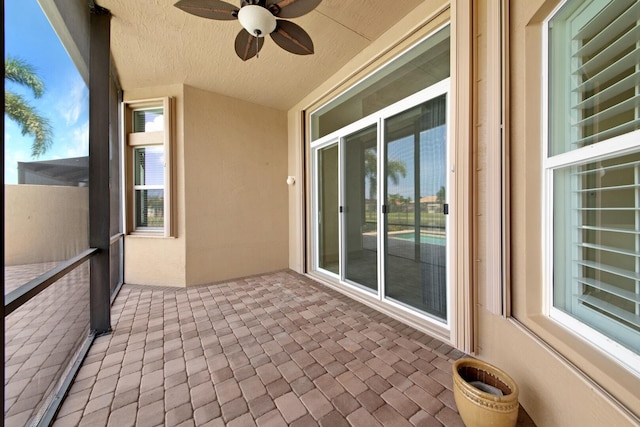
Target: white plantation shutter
[[606, 248], [605, 67], [594, 100]]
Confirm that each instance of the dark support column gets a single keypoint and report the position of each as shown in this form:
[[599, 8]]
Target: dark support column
[[99, 169]]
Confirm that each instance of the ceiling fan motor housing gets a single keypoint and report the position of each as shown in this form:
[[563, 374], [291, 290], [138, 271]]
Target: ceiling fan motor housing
[[257, 20]]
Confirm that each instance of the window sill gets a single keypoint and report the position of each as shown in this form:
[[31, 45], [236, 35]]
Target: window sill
[[595, 366], [149, 235]]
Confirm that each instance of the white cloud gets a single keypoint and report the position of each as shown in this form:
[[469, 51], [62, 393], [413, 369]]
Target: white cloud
[[156, 125], [78, 146], [74, 102], [11, 159], [17, 148]]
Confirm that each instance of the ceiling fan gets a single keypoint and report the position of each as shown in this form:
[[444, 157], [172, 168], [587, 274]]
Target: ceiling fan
[[258, 18]]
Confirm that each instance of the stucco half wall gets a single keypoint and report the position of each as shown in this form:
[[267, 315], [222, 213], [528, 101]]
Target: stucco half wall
[[45, 223]]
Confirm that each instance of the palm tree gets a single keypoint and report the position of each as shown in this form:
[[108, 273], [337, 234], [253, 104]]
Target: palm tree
[[19, 110], [440, 195], [395, 168], [397, 201]]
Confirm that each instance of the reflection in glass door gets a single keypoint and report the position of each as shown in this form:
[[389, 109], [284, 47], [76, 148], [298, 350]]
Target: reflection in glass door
[[360, 219], [415, 143], [328, 216]]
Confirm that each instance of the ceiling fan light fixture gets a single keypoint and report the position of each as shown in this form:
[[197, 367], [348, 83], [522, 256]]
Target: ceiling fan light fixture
[[257, 20]]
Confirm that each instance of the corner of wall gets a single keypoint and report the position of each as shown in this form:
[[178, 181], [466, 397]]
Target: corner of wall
[[162, 261]]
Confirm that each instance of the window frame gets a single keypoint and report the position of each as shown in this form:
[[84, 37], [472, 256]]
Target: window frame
[[134, 140], [616, 146], [145, 187]]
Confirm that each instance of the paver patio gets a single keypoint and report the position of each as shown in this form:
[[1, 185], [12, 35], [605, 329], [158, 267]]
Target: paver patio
[[277, 349]]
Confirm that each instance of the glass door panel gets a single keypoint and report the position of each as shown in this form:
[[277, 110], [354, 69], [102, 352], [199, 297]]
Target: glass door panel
[[360, 214], [414, 197], [328, 214]]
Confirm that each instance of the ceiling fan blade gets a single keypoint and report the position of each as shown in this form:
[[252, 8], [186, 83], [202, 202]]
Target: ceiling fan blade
[[291, 8], [212, 9], [292, 37], [248, 46]]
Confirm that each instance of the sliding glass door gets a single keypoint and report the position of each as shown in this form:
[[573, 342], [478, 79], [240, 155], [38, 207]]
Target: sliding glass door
[[415, 235], [380, 184], [360, 216], [380, 203], [327, 209]]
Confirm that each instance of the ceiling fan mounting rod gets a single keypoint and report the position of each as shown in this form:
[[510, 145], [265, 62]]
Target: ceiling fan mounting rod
[[262, 3], [273, 8]]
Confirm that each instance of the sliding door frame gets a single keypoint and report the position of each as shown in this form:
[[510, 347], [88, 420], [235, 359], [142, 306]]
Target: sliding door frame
[[338, 137]]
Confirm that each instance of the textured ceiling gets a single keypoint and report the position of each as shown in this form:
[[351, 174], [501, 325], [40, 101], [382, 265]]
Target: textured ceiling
[[154, 43]]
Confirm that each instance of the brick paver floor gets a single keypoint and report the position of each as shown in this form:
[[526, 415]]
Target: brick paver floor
[[273, 350]]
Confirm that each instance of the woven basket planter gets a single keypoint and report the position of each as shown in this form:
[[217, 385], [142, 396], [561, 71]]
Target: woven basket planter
[[491, 402]]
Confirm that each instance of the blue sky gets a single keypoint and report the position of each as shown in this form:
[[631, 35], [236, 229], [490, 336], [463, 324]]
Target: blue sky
[[29, 36], [432, 163]]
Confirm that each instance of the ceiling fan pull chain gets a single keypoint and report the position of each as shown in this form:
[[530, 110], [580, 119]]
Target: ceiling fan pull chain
[[257, 44]]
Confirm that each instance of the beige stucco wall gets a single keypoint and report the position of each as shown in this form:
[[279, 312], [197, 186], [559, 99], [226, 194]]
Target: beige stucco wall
[[229, 193], [45, 223], [156, 260], [563, 381], [235, 187]]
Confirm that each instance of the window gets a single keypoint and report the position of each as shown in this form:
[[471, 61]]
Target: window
[[424, 65], [592, 169], [149, 152]]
